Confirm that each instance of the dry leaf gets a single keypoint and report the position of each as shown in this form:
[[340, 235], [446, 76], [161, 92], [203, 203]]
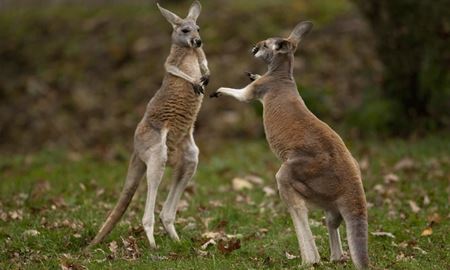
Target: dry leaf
[[404, 164], [421, 250], [31, 233], [182, 205], [254, 179], [434, 218], [427, 232], [40, 188], [386, 234], [113, 247], [269, 191], [16, 214], [426, 200], [201, 252], [208, 243], [414, 207], [211, 235], [131, 248], [290, 256], [391, 178], [226, 247], [240, 184], [364, 163]]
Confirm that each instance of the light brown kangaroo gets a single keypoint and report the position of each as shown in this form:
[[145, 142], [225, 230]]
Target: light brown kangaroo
[[317, 167], [164, 135]]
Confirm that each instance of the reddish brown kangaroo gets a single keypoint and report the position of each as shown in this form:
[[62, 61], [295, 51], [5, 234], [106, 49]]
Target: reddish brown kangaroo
[[317, 168], [165, 134]]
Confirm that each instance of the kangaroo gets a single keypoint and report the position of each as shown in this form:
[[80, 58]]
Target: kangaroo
[[317, 168], [164, 136]]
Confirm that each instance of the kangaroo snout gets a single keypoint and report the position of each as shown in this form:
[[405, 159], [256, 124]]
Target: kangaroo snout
[[196, 42]]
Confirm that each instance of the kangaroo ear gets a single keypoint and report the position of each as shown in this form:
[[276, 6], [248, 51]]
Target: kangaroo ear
[[300, 31], [171, 17], [194, 11], [283, 46]]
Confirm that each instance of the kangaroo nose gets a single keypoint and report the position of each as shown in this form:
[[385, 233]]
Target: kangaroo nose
[[198, 42], [255, 50]]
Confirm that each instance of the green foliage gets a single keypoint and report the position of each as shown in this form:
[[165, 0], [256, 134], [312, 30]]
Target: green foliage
[[412, 42]]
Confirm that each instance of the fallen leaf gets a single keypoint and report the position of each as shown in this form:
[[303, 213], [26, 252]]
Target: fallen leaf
[[190, 226], [31, 233], [211, 235], [290, 256], [269, 191], [158, 258], [385, 234], [182, 205], [427, 232], [201, 252], [426, 200], [208, 243], [391, 178], [226, 247], [434, 218], [131, 248], [40, 188], [254, 179], [16, 214], [421, 250], [240, 184], [113, 247], [414, 207], [364, 163], [404, 164]]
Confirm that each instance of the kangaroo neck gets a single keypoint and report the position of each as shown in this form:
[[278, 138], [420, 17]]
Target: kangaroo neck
[[282, 66], [180, 50]]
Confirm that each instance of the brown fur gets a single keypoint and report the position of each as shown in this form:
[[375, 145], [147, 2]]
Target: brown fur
[[175, 106], [317, 167], [164, 136]]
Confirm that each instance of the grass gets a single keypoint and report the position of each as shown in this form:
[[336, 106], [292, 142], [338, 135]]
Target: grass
[[65, 196]]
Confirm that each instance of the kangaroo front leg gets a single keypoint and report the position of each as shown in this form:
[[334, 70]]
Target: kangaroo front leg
[[299, 214], [183, 173], [244, 94], [156, 161], [204, 80], [175, 71]]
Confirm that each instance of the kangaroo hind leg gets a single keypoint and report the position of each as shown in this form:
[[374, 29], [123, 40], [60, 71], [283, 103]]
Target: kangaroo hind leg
[[299, 214], [183, 172]]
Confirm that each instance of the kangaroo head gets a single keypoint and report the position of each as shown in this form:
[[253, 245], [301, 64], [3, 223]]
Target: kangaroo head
[[185, 31], [271, 48]]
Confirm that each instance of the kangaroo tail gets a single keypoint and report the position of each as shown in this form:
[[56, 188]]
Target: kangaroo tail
[[136, 170], [357, 240]]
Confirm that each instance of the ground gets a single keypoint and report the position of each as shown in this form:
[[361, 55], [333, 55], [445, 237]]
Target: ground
[[52, 203]]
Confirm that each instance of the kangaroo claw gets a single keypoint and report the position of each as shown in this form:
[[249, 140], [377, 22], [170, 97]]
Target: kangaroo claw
[[204, 80], [215, 95], [198, 89]]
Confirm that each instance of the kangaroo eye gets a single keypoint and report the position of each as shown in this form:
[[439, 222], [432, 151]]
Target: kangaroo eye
[[265, 46], [198, 30], [185, 31]]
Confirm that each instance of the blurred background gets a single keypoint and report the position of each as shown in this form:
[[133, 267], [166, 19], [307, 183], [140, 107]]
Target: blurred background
[[78, 74]]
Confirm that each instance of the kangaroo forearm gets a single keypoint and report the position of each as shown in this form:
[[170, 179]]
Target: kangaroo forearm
[[202, 62], [245, 94], [177, 72]]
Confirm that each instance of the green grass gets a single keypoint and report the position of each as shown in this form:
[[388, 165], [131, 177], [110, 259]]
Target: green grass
[[65, 196]]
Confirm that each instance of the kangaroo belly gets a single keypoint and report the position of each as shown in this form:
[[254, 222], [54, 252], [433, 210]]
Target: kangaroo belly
[[175, 107]]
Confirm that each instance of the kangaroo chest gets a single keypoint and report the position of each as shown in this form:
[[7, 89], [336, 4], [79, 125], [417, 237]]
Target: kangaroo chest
[[175, 106]]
